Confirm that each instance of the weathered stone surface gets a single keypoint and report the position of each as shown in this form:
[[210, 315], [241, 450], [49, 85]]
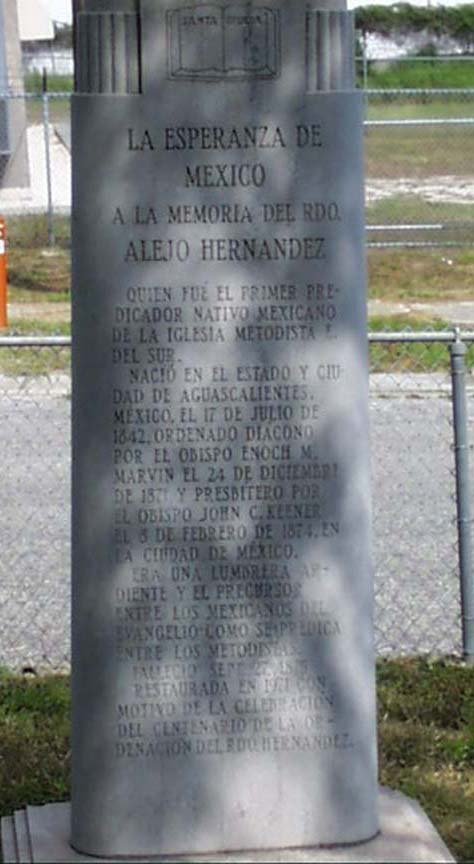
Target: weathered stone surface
[[9, 847], [22, 836], [222, 617], [406, 834]]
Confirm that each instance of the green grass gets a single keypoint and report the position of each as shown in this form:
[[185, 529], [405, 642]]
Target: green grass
[[407, 356], [421, 274], [420, 74], [426, 728], [418, 151], [426, 742], [33, 266], [45, 271], [34, 748], [417, 108], [37, 327], [58, 107], [31, 232], [55, 83], [414, 210], [411, 209], [45, 298], [35, 361]]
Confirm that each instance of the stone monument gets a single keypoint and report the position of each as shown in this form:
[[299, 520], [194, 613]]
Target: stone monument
[[222, 607], [223, 668]]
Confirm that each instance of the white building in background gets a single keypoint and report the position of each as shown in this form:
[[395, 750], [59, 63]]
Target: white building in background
[[35, 22], [352, 4], [37, 32], [61, 10], [13, 152]]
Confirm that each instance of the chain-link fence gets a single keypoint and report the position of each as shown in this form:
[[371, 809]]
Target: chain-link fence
[[53, 60], [416, 511], [34, 505], [419, 172], [416, 554]]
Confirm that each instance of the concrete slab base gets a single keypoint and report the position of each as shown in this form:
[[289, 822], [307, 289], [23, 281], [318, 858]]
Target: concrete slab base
[[41, 834]]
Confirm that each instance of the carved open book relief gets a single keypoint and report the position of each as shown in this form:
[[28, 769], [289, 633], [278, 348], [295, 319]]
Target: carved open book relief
[[218, 42]]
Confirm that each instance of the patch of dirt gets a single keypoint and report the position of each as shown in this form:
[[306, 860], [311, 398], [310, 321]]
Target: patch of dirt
[[459, 312], [448, 189]]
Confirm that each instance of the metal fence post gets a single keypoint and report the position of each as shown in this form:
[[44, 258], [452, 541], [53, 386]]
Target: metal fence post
[[51, 238], [461, 450], [365, 65]]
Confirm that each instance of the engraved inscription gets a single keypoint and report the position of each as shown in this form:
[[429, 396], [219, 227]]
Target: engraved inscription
[[220, 480], [210, 42]]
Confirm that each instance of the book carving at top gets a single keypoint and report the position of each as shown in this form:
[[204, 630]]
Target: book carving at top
[[210, 42]]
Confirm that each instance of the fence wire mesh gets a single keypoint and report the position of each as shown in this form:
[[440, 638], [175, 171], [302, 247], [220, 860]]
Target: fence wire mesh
[[415, 539], [420, 182], [416, 563], [34, 508]]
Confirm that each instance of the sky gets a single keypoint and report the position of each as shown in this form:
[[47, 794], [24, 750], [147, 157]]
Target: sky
[[60, 10]]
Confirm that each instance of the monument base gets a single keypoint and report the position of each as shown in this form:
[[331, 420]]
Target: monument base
[[40, 834]]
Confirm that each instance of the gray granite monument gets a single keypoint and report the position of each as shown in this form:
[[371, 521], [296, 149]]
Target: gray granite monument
[[222, 602], [222, 652]]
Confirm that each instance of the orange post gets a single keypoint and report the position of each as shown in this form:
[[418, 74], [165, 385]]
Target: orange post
[[3, 274]]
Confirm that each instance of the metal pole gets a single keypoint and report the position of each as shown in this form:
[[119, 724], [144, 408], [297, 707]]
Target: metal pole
[[3, 275], [461, 450], [364, 61], [51, 238]]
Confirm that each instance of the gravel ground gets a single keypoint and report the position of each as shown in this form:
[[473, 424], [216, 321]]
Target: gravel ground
[[447, 189], [414, 530], [40, 311], [460, 312]]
